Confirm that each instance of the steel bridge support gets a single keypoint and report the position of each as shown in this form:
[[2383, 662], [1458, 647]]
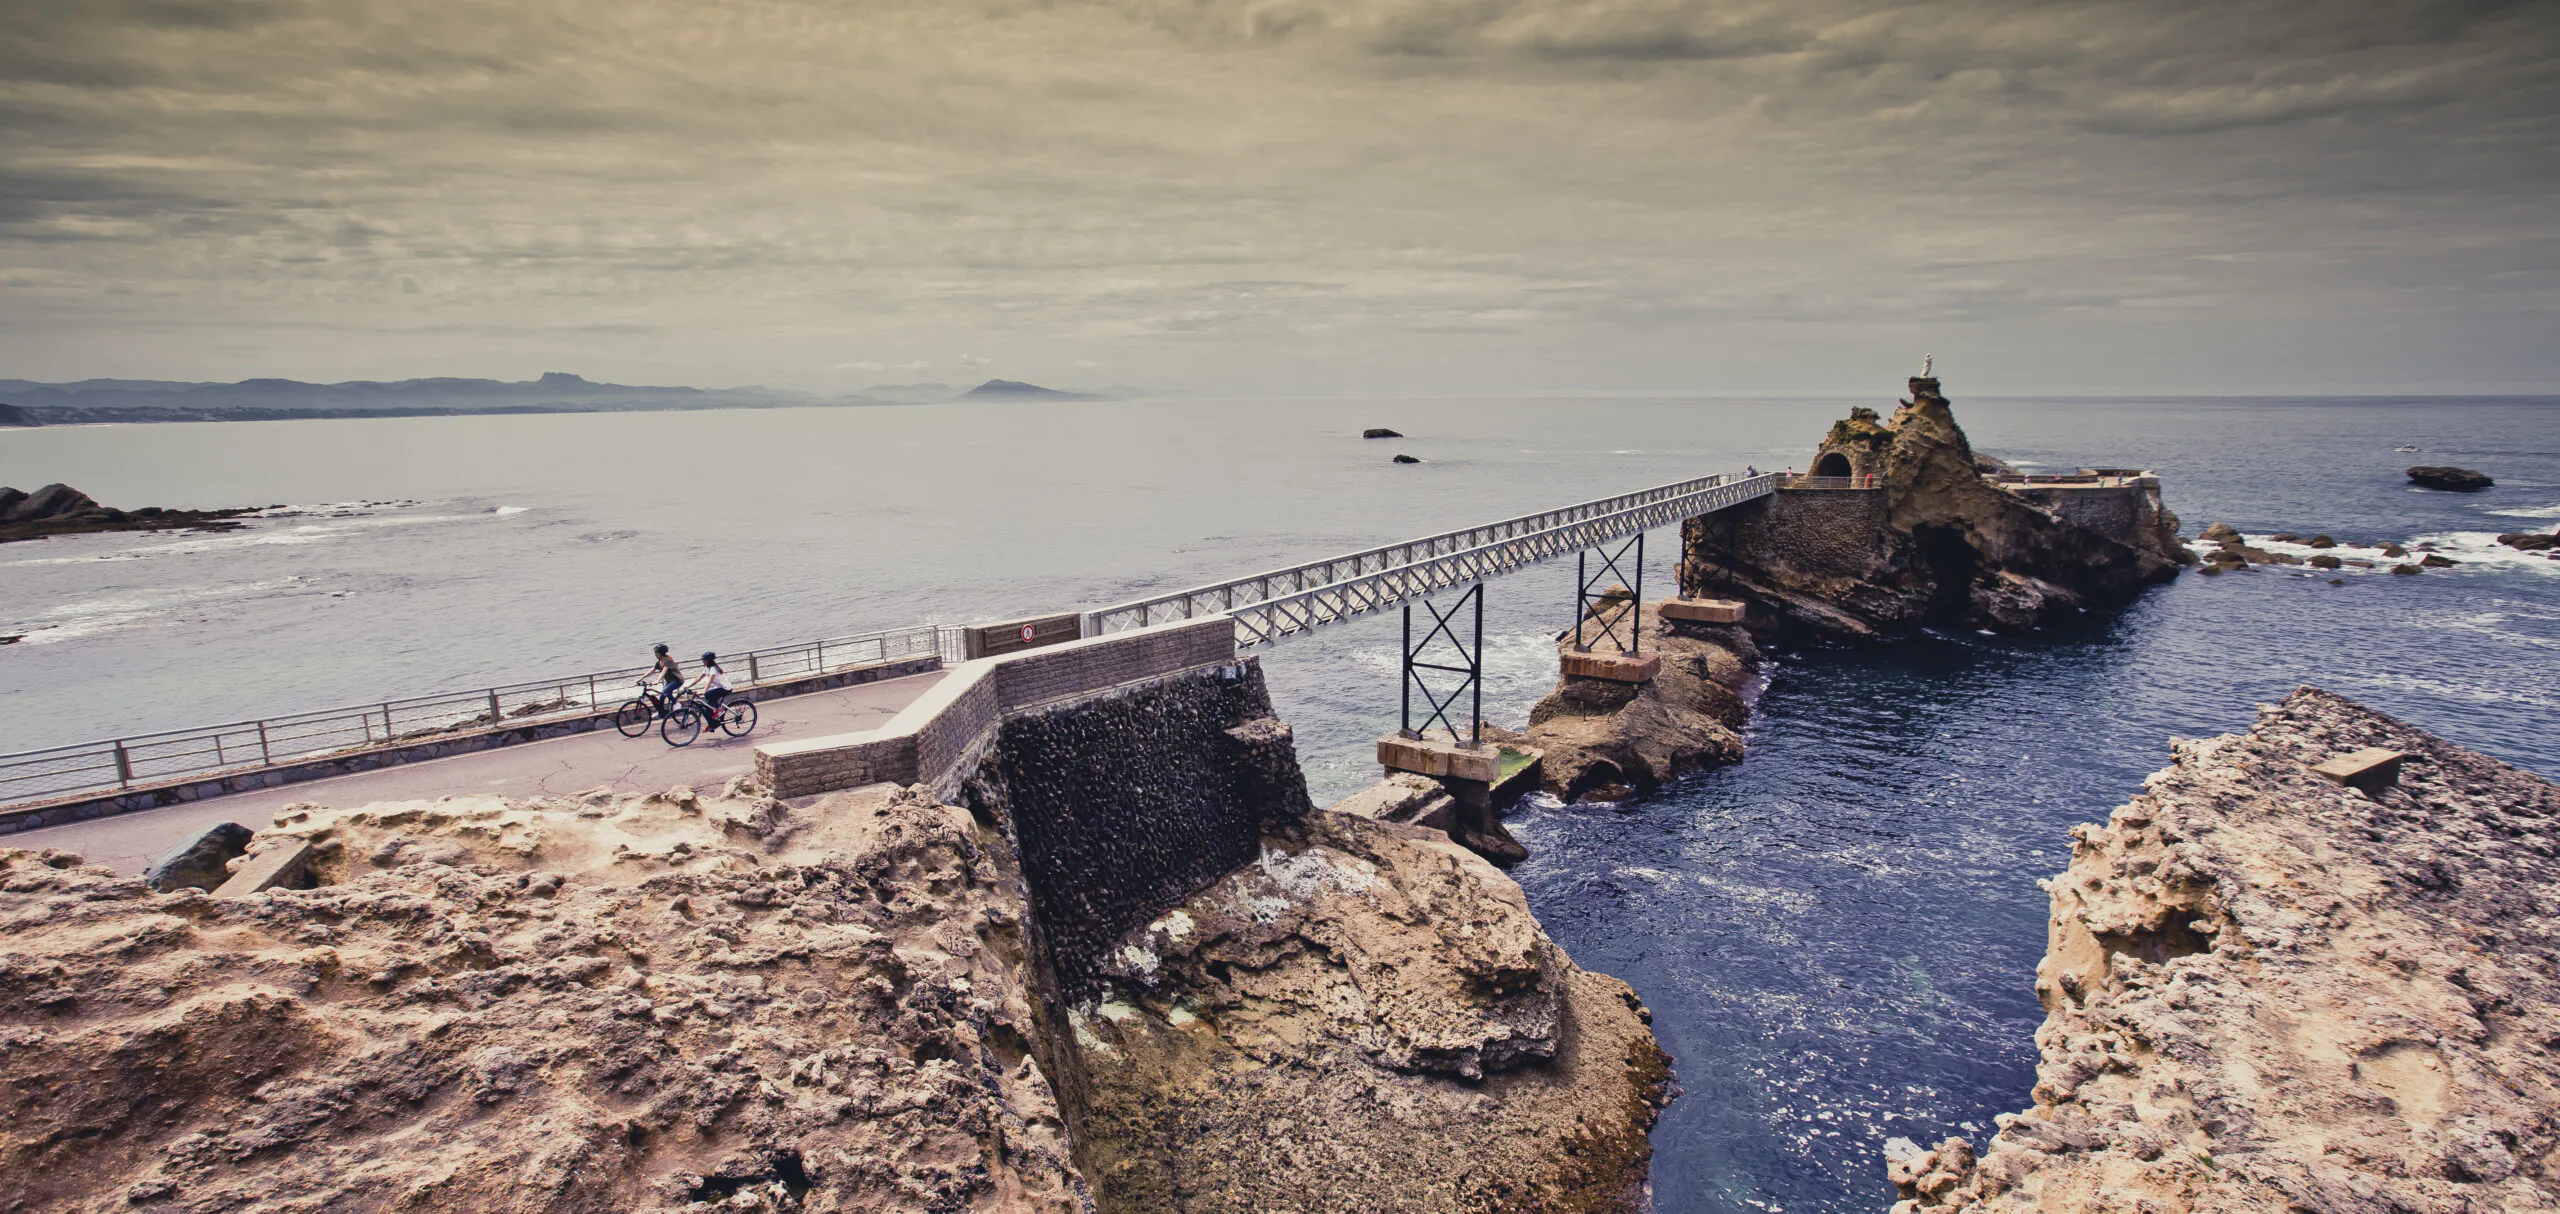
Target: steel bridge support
[[1610, 573], [1470, 656]]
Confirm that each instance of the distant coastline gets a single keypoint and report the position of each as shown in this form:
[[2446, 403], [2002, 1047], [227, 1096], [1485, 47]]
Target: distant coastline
[[111, 401]]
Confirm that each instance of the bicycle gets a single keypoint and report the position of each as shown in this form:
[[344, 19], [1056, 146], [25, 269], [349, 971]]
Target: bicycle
[[692, 714], [633, 718]]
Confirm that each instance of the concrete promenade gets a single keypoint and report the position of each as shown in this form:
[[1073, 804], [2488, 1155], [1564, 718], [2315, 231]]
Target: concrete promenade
[[559, 766]]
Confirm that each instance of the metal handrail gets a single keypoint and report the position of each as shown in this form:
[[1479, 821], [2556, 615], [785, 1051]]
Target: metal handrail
[[1219, 598], [124, 762], [1267, 620]]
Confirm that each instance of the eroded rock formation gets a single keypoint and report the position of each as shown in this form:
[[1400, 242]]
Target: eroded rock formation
[[1604, 740], [1940, 542], [1368, 1018], [620, 1004], [2267, 991], [63, 510]]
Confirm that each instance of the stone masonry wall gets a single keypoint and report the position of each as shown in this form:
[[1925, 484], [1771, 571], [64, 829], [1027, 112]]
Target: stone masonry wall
[[2113, 513], [1123, 806], [1822, 532], [938, 739]]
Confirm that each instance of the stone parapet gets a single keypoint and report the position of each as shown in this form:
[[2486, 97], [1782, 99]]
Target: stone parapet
[[943, 734]]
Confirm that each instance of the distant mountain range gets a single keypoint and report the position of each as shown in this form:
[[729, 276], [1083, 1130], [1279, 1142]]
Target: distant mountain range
[[127, 400]]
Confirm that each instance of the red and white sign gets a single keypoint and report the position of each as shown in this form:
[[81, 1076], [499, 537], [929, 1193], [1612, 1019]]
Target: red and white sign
[[1026, 634]]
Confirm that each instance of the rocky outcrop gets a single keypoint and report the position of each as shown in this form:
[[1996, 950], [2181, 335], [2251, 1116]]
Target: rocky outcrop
[[2530, 541], [2452, 479], [1942, 544], [2269, 990], [1380, 432], [13, 416], [62, 510], [1368, 1018], [201, 860], [1607, 741], [609, 1004]]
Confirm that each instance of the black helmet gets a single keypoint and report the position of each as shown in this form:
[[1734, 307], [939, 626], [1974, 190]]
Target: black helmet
[[659, 648], [709, 656]]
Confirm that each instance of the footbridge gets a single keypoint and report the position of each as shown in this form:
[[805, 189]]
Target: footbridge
[[65, 784], [1301, 598]]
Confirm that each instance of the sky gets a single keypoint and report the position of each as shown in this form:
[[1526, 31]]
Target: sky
[[1289, 197]]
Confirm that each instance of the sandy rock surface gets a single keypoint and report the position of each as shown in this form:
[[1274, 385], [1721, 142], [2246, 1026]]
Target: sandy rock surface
[[2270, 992], [607, 1004], [1608, 740], [1368, 1019]]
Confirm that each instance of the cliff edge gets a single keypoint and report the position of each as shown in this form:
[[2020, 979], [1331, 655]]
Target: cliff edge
[[2268, 990], [617, 1003]]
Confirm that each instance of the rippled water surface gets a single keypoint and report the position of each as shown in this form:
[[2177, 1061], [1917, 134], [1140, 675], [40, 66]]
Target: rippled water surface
[[1837, 937]]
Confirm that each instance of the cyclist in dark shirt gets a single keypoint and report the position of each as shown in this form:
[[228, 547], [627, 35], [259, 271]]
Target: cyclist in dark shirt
[[670, 674]]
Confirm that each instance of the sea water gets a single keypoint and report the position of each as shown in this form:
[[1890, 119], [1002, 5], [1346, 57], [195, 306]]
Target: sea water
[[1837, 937]]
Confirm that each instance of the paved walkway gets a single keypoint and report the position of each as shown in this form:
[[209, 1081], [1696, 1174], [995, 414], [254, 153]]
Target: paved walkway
[[559, 766]]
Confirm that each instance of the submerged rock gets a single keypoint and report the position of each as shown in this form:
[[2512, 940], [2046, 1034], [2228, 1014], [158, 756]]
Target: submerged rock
[[2266, 990], [1380, 432], [2458, 480], [1402, 458]]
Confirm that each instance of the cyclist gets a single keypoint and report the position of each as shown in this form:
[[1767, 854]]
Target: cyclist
[[670, 673], [714, 681]]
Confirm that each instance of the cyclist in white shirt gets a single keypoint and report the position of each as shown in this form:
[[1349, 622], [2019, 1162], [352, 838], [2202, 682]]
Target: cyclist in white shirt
[[713, 681]]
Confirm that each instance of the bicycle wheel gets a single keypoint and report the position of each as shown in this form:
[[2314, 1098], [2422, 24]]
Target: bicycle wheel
[[737, 718], [682, 726], [633, 719]]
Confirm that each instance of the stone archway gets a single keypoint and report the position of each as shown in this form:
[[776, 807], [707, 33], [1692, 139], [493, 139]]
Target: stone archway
[[1832, 464]]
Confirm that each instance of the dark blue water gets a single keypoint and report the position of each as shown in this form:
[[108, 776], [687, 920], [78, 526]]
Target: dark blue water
[[1838, 938]]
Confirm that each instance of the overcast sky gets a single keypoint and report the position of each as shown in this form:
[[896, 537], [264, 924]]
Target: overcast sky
[[1288, 196]]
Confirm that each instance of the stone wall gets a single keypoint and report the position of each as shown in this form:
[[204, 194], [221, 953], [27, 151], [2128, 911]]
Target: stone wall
[[938, 739], [2114, 512], [1121, 806], [1821, 532]]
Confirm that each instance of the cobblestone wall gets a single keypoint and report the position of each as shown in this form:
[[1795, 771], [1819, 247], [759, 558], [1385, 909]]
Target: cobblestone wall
[[1122, 806]]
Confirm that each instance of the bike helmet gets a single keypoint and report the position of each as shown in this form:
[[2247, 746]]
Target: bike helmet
[[658, 649], [709, 656]]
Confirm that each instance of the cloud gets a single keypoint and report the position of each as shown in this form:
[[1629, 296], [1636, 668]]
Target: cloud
[[1250, 190]]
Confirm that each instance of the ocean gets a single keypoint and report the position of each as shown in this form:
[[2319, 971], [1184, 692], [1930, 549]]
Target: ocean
[[1837, 937]]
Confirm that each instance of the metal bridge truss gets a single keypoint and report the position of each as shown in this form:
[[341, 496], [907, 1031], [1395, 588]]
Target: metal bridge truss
[[1470, 675], [1610, 573], [1272, 605]]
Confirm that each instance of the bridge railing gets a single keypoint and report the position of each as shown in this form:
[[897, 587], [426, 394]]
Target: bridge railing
[[147, 758], [1268, 606]]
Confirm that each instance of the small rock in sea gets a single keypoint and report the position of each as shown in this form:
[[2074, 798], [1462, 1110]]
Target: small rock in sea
[[2447, 477], [1379, 432], [2213, 569], [2322, 541], [2405, 569], [2530, 542], [2433, 561], [2337, 581], [2220, 532], [2285, 537], [2394, 550], [2324, 561], [2359, 564], [1402, 458]]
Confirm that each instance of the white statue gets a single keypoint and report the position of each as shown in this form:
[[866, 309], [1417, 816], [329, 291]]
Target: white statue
[[1927, 362]]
